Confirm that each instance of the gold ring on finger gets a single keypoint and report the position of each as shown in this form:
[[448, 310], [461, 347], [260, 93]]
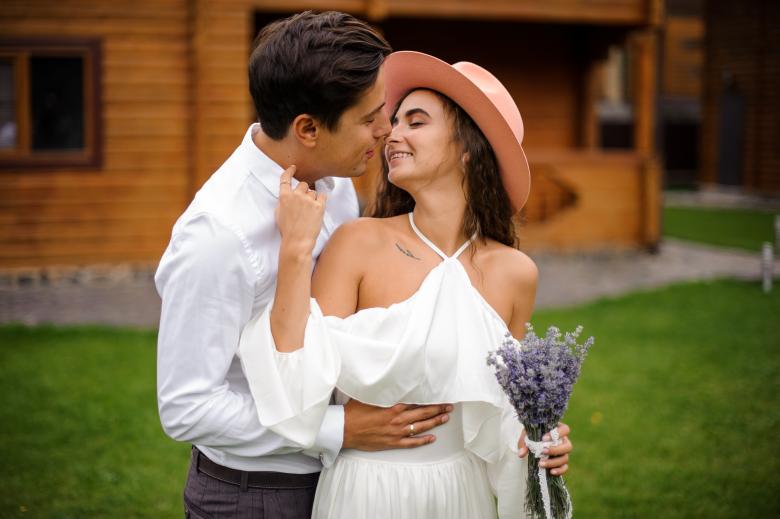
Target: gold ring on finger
[[411, 429]]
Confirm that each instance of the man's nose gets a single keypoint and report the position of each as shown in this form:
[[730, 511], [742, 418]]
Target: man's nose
[[385, 127]]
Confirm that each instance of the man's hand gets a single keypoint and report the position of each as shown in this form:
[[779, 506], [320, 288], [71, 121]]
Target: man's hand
[[370, 428], [558, 462]]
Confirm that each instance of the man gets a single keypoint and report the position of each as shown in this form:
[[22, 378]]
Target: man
[[318, 88]]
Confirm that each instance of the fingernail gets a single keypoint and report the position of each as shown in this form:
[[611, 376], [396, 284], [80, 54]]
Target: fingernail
[[543, 464], [449, 408], [546, 438], [545, 451], [445, 418]]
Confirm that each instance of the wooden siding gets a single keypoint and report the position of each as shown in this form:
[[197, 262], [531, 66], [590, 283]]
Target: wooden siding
[[124, 210], [682, 56], [617, 202], [743, 54]]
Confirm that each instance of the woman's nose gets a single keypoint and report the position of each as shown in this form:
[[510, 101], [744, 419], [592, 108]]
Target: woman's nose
[[394, 135]]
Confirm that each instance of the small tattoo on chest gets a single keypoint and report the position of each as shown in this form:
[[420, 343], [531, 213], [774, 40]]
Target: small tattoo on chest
[[406, 252]]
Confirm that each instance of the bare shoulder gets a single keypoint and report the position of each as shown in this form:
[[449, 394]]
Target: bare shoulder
[[510, 264], [361, 235]]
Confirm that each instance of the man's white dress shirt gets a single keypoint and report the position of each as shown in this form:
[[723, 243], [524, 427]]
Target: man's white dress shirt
[[218, 271]]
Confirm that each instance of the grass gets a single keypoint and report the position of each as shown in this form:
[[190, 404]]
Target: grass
[[675, 414], [737, 228], [79, 432]]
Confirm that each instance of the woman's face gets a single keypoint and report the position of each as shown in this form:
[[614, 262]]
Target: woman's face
[[420, 149]]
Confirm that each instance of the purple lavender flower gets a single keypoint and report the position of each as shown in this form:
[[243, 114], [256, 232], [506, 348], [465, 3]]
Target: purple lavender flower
[[538, 375]]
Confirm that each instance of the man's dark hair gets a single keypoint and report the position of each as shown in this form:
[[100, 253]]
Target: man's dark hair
[[310, 63]]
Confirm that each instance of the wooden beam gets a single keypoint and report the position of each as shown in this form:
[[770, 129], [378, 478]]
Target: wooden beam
[[597, 12]]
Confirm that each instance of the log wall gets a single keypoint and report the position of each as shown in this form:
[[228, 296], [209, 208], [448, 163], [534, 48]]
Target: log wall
[[124, 210], [176, 103]]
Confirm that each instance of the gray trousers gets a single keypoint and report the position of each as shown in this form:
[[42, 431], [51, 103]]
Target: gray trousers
[[208, 498]]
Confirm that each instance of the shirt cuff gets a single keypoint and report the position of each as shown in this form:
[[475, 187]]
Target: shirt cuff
[[330, 436]]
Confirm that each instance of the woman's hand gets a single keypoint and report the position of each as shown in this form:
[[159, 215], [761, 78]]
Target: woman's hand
[[558, 462], [299, 217], [299, 214]]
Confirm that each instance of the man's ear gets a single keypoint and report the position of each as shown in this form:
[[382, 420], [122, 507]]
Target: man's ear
[[306, 130]]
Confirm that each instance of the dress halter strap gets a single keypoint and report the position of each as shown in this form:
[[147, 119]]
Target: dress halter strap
[[433, 247]]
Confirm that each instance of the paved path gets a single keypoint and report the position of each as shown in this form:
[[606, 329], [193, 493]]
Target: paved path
[[570, 280], [126, 296]]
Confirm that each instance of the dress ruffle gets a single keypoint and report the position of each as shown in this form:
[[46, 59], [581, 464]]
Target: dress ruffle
[[430, 348]]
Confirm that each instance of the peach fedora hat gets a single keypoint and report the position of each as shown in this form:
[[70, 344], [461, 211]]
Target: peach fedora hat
[[481, 95]]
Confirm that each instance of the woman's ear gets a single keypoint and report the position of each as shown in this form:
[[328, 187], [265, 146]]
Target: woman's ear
[[464, 160], [306, 130]]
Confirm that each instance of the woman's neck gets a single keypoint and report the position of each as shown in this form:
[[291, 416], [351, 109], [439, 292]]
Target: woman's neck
[[440, 219]]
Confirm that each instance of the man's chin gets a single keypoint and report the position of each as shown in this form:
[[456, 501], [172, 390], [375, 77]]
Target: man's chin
[[357, 171]]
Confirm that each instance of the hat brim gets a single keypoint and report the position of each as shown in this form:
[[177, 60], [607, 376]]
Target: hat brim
[[408, 70]]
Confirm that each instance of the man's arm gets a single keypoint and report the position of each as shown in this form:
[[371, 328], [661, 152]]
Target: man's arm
[[207, 287]]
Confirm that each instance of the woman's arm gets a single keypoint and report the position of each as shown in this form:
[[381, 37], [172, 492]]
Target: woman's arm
[[524, 275], [299, 218]]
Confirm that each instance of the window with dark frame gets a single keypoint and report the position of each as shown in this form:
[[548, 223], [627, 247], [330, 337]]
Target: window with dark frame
[[49, 103]]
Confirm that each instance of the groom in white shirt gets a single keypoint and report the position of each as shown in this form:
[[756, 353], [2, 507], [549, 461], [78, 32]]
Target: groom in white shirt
[[318, 88]]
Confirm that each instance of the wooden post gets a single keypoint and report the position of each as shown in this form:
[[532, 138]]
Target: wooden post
[[644, 81], [589, 129], [650, 171]]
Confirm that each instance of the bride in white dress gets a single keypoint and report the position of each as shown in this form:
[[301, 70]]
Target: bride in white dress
[[407, 305]]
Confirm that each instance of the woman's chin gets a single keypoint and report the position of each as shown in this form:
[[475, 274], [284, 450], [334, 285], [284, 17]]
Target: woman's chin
[[406, 179], [394, 176]]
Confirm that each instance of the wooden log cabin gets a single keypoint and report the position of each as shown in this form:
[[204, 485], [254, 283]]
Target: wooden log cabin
[[149, 97]]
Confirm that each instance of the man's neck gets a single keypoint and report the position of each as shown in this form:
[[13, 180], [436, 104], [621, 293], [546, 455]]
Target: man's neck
[[284, 153]]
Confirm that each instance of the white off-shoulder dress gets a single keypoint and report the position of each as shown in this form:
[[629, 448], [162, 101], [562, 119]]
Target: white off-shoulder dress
[[429, 348]]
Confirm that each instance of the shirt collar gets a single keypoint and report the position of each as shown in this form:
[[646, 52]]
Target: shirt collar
[[267, 171]]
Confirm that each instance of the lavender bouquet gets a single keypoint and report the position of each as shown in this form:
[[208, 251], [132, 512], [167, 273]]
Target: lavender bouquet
[[538, 375]]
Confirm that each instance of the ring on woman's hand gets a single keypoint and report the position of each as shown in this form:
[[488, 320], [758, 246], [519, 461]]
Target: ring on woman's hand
[[285, 182], [411, 429]]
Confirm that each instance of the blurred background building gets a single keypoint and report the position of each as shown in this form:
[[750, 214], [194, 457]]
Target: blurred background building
[[112, 114]]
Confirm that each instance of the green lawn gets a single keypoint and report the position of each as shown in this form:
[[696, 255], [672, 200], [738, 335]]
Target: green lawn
[[737, 228], [675, 415]]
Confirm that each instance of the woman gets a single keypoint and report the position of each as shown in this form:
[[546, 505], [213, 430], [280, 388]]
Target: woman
[[415, 298]]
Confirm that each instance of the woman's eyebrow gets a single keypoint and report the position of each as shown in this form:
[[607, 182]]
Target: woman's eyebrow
[[411, 112], [414, 111]]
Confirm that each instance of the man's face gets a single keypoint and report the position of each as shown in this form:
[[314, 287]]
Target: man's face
[[345, 151]]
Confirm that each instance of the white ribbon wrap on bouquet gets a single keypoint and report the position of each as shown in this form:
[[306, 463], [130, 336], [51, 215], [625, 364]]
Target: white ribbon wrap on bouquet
[[537, 449]]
